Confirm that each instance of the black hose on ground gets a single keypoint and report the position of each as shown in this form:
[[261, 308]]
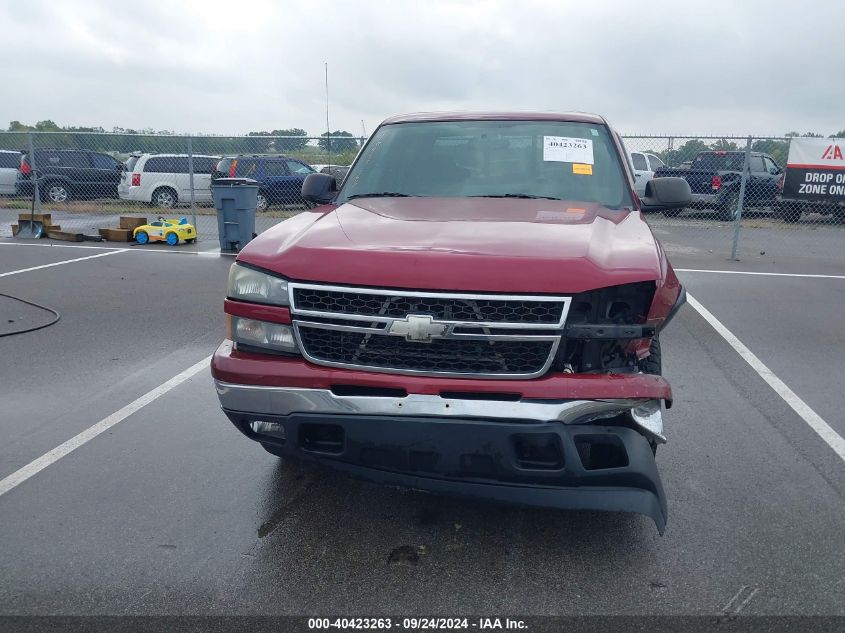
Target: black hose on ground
[[34, 305]]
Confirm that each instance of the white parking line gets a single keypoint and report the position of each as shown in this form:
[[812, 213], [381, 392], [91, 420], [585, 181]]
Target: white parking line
[[36, 466], [744, 272], [51, 245], [813, 419], [62, 263], [113, 248]]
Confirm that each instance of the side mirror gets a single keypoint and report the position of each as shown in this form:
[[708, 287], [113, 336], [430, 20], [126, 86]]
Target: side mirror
[[666, 193], [319, 188]]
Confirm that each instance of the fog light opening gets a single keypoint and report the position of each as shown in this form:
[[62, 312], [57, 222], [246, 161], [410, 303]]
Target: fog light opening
[[598, 452], [272, 429], [538, 451]]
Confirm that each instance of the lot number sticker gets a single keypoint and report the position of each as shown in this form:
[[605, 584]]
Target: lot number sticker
[[563, 149]]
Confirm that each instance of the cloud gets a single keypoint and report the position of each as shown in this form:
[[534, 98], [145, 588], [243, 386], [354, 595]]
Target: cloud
[[652, 67]]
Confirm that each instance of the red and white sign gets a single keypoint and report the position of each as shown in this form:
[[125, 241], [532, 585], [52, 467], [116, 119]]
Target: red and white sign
[[828, 153], [815, 170]]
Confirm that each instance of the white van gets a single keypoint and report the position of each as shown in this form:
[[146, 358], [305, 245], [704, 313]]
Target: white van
[[10, 164], [163, 180]]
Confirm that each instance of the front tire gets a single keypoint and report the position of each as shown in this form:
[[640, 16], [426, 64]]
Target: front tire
[[172, 239], [164, 198], [653, 364]]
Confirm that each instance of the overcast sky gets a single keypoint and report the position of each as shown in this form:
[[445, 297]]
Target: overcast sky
[[735, 67]]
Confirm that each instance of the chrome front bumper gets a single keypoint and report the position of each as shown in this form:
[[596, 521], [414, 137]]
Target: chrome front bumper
[[281, 401]]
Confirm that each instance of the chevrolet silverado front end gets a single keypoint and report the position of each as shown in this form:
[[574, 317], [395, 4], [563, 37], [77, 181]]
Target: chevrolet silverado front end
[[477, 311]]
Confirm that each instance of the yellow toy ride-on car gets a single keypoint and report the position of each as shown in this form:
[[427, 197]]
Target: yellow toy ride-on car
[[170, 231]]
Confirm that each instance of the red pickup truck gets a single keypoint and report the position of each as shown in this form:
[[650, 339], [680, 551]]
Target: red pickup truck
[[476, 310]]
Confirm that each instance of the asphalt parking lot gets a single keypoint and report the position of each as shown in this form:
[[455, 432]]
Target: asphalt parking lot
[[170, 510]]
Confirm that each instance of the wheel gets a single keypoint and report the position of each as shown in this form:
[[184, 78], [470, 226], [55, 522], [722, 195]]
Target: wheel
[[141, 237], [672, 213], [789, 213], [164, 198], [727, 207], [56, 192], [262, 202], [172, 239], [652, 364]]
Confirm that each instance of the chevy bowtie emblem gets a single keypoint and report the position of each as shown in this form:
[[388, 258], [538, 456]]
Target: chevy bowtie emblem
[[419, 328]]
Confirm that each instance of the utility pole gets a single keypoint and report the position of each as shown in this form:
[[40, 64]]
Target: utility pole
[[328, 127]]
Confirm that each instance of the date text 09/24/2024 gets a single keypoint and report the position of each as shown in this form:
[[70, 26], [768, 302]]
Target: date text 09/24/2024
[[416, 624]]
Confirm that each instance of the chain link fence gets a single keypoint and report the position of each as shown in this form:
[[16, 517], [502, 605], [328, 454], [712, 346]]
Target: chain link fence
[[739, 208], [87, 181]]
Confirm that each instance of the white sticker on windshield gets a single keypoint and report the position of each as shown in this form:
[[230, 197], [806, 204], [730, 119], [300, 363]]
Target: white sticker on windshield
[[563, 149]]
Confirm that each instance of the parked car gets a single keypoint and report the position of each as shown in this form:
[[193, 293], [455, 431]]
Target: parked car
[[279, 177], [644, 166], [476, 310], [10, 164], [715, 176], [163, 180], [66, 174]]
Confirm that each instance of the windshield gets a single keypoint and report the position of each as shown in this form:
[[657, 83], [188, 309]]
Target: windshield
[[459, 159]]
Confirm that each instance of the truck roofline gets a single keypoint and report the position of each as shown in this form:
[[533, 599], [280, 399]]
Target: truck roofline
[[568, 117]]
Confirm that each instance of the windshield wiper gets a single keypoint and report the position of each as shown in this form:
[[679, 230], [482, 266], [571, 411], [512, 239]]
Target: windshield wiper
[[383, 194], [526, 196]]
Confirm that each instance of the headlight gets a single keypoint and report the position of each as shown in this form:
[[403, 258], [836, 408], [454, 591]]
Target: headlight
[[248, 284], [273, 336], [627, 304]]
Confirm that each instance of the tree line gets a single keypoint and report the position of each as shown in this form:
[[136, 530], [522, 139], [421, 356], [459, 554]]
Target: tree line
[[126, 140], [777, 148], [295, 140]]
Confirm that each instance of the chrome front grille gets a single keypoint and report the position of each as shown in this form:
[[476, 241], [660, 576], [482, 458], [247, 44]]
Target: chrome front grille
[[441, 356], [399, 305], [482, 335]]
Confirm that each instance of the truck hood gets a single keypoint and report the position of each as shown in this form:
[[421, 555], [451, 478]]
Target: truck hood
[[480, 244]]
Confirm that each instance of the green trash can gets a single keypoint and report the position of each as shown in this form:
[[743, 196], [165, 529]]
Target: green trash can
[[235, 200]]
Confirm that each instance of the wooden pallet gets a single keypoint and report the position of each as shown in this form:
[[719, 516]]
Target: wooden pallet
[[65, 236], [131, 222], [44, 218], [116, 235]]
